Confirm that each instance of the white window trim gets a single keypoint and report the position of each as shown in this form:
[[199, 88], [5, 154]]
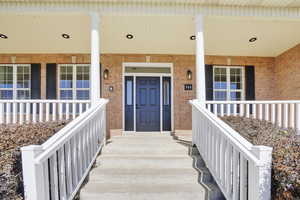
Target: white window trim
[[15, 89], [228, 90], [74, 73]]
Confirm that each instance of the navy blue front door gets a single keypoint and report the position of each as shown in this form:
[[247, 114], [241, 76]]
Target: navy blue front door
[[147, 104]]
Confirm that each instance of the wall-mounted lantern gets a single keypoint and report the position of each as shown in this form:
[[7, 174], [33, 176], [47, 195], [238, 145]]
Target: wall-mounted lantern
[[105, 74], [189, 75]]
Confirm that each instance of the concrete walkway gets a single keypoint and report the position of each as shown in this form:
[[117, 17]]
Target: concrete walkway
[[143, 167]]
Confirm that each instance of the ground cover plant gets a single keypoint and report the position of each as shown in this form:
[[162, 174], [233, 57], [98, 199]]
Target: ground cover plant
[[285, 157], [12, 138]]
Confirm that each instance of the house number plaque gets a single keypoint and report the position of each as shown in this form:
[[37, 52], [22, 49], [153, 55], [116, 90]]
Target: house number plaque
[[188, 87]]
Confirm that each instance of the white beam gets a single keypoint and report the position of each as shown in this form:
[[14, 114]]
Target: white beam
[[95, 58], [200, 64]]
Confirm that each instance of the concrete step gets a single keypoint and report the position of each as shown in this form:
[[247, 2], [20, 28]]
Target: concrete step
[[142, 191], [144, 162], [141, 149], [183, 176], [144, 196], [141, 139], [144, 166]]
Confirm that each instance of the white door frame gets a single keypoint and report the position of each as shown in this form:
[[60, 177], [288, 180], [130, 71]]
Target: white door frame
[[134, 75]]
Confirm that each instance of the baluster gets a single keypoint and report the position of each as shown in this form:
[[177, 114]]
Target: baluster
[[27, 113], [222, 110], [75, 160], [34, 112], [80, 108], [41, 112], [60, 110], [279, 115], [8, 113], [15, 110], [235, 178], [21, 113], [241, 110], [297, 118], [267, 112], [247, 110], [73, 110], [54, 111], [46, 179], [285, 116], [69, 168], [254, 113], [228, 109], [234, 109], [273, 113], [243, 177], [54, 177], [222, 161], [260, 113], [67, 111], [228, 168], [292, 115], [62, 174], [1, 113], [80, 156], [216, 109], [47, 112]]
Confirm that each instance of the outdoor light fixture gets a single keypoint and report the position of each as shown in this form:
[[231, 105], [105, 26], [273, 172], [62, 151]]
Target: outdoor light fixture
[[189, 75], [105, 74], [129, 36], [66, 36], [3, 36], [253, 39], [193, 37]]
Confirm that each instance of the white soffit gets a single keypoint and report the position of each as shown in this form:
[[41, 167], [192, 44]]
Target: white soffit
[[152, 34], [267, 8]]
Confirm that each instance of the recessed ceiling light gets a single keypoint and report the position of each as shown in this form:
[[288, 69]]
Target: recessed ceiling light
[[3, 36], [66, 36], [253, 39], [129, 36], [193, 37]]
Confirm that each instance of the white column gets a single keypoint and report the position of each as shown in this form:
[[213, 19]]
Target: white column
[[95, 58], [200, 64]]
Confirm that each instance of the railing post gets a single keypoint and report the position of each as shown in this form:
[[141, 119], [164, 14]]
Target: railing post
[[32, 173], [262, 190]]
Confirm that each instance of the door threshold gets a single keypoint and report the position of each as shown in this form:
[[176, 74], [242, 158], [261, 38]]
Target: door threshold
[[146, 132]]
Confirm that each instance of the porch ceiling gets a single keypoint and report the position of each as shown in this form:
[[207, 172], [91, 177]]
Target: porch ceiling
[[152, 34]]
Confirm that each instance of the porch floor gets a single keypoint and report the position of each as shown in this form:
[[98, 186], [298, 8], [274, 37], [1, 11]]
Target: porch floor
[[143, 166]]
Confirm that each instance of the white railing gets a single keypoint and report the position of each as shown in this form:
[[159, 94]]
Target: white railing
[[57, 168], [32, 111], [241, 170], [285, 114]]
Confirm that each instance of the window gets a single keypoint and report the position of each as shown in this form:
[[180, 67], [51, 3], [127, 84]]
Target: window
[[15, 81], [228, 83], [166, 92], [74, 81], [129, 92]]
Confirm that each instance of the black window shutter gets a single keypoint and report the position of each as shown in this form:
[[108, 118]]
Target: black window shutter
[[209, 82], [51, 80], [250, 82], [36, 81]]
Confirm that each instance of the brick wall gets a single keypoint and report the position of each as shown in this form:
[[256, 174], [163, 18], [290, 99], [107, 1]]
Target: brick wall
[[287, 74], [264, 71]]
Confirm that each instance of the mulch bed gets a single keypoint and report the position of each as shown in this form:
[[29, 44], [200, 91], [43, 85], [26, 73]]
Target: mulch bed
[[286, 153], [12, 137]]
